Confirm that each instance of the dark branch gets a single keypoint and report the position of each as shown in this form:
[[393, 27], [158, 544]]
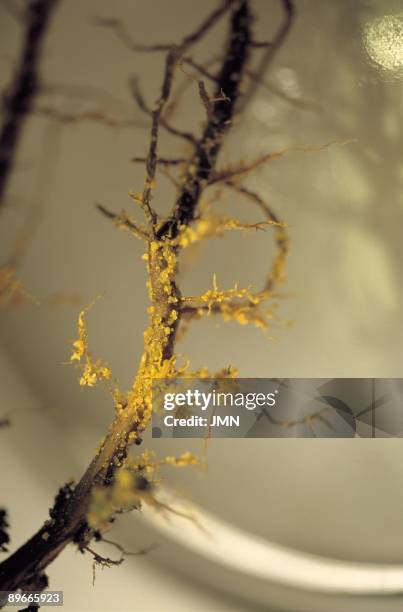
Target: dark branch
[[4, 537], [19, 98], [202, 164], [68, 516], [164, 161], [139, 99], [156, 115], [123, 220], [202, 69], [187, 42]]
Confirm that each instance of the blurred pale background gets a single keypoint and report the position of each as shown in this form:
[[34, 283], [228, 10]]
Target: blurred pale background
[[344, 207]]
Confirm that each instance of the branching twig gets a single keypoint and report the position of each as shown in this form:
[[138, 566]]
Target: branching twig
[[125, 553], [242, 170], [202, 163], [187, 42], [139, 99], [123, 220], [97, 116], [277, 271], [164, 161], [151, 162], [69, 517]]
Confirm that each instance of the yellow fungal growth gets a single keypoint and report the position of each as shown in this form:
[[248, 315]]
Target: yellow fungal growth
[[105, 501], [230, 371], [278, 269], [92, 371], [224, 301], [119, 400], [215, 296], [80, 345], [239, 305], [134, 477], [163, 316], [145, 463], [183, 460], [136, 197], [215, 225], [246, 314], [128, 491]]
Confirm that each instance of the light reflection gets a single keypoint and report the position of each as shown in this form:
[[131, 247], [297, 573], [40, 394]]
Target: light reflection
[[383, 41]]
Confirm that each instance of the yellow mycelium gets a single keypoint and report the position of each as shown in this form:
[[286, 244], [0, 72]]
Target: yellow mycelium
[[157, 360], [215, 225], [128, 490], [134, 409], [92, 371], [183, 460], [236, 304]]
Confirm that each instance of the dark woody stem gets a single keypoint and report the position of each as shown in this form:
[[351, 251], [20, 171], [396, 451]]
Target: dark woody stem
[[18, 101], [25, 567], [201, 165]]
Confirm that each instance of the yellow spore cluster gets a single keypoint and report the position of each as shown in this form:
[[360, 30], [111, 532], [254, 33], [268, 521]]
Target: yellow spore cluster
[[130, 488], [122, 495], [147, 464], [214, 225], [216, 296], [156, 361], [92, 371], [246, 314], [236, 304], [183, 460]]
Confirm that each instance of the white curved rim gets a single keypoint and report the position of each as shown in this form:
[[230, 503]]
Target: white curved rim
[[244, 552]]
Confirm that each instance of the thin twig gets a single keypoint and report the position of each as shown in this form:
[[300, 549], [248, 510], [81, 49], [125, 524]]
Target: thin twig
[[39, 193], [277, 269], [139, 99], [96, 116], [172, 106], [202, 69], [151, 162], [243, 169], [123, 220], [202, 163], [271, 51], [142, 551], [164, 161], [187, 42]]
